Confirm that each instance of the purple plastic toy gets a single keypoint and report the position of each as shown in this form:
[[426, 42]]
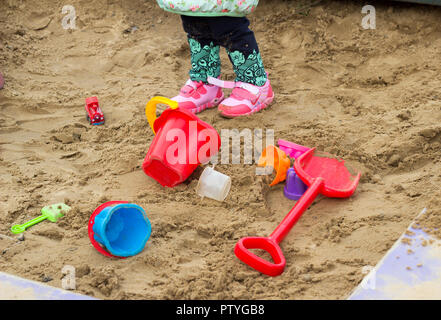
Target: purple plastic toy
[[291, 149], [294, 187]]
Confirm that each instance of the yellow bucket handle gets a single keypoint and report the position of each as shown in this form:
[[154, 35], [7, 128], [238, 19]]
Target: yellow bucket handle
[[150, 108]]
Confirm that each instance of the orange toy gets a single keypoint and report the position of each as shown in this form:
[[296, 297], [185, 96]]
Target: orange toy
[[273, 156]]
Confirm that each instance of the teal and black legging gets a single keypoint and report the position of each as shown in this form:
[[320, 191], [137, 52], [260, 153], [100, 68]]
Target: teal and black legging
[[207, 34]]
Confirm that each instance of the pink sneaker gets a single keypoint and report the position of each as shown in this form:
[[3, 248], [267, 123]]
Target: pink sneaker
[[198, 96], [245, 98]]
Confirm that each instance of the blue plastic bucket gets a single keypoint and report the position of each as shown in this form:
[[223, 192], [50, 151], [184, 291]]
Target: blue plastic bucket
[[123, 229]]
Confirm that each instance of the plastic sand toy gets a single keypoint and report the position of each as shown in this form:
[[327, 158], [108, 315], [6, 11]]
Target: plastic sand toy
[[291, 149], [213, 184], [51, 213], [276, 158], [294, 187], [182, 142], [324, 174], [120, 227], [150, 109], [94, 114]]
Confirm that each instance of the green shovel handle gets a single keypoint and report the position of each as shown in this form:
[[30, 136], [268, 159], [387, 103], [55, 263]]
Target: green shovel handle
[[19, 228]]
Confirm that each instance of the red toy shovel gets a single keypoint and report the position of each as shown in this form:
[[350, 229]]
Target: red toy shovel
[[323, 174]]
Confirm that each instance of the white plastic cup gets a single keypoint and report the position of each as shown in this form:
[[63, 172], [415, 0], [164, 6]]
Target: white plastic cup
[[213, 184]]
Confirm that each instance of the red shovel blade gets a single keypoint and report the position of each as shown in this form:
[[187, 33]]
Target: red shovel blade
[[323, 174], [338, 180]]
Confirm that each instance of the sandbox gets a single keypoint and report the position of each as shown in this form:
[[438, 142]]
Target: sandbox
[[372, 97]]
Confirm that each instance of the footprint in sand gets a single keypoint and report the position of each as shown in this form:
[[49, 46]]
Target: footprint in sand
[[37, 20]]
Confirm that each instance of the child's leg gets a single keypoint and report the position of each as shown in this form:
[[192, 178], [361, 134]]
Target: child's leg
[[252, 91], [205, 58], [197, 95], [235, 35]]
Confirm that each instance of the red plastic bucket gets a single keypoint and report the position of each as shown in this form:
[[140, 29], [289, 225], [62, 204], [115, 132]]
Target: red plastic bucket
[[182, 142]]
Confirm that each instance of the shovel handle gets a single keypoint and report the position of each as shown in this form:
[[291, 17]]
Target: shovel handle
[[19, 228], [242, 251], [271, 244], [296, 212]]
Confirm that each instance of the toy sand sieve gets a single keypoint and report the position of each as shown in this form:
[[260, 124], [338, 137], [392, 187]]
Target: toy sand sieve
[[292, 149]]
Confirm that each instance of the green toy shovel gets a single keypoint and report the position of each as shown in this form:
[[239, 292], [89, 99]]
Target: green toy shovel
[[52, 213]]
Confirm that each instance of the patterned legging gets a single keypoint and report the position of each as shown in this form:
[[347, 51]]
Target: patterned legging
[[207, 34]]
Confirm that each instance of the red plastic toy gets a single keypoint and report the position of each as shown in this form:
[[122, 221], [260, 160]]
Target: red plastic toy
[[199, 141], [94, 114], [323, 174]]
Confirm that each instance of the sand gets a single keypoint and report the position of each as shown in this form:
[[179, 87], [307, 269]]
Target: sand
[[372, 97]]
